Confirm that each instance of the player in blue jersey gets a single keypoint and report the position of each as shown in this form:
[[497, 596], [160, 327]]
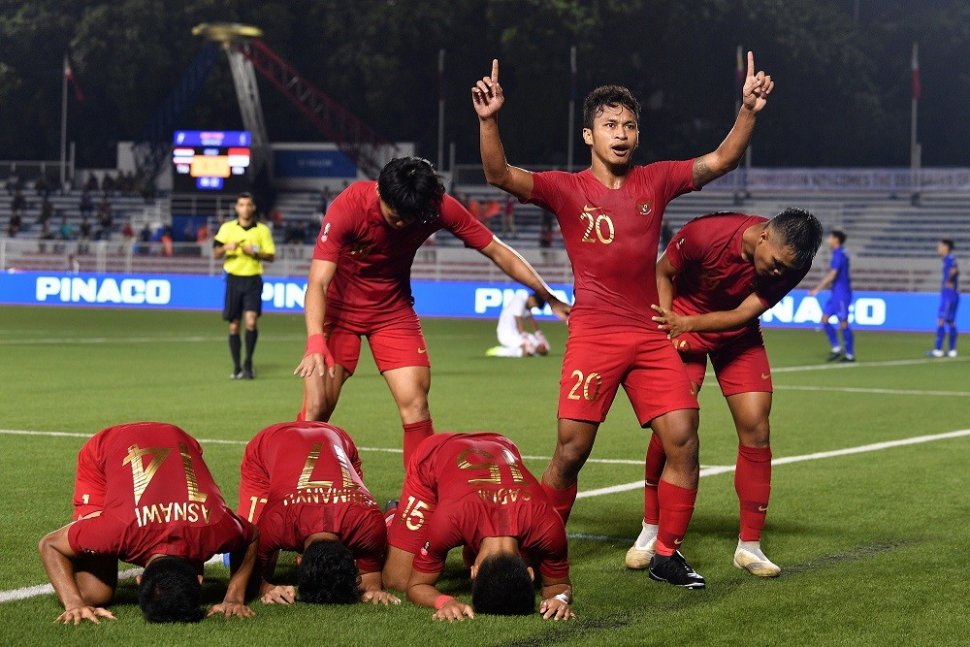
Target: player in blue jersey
[[949, 299], [838, 304]]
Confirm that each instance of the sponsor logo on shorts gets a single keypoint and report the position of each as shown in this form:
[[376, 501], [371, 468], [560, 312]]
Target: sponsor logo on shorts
[[762, 508], [765, 376], [678, 541], [422, 351]]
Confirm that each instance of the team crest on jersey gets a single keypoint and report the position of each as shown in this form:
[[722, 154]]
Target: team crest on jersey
[[644, 208], [326, 232], [424, 549]]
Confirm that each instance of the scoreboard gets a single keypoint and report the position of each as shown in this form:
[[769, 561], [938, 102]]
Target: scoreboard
[[211, 160]]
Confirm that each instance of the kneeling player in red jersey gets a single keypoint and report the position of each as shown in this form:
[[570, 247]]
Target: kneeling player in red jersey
[[144, 495], [718, 275], [360, 285], [302, 486], [472, 490]]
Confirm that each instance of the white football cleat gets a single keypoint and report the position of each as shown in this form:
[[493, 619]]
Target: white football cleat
[[749, 557], [936, 352], [638, 559], [952, 353]]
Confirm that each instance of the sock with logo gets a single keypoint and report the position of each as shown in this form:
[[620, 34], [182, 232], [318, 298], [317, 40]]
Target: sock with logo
[[832, 335], [251, 337], [235, 345], [752, 482], [653, 468], [940, 334], [953, 336], [562, 500], [414, 433], [676, 509], [848, 337]]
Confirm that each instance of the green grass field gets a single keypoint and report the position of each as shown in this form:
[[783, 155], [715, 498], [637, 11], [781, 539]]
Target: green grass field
[[873, 544]]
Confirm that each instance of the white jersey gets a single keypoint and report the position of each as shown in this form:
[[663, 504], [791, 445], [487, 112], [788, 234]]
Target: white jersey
[[508, 332]]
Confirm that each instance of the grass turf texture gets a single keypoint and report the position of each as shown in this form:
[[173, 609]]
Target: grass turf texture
[[872, 545]]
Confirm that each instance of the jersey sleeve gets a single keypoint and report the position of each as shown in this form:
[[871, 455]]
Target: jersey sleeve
[[442, 535], [370, 546], [235, 533], [459, 221], [89, 484], [678, 178], [100, 535], [337, 227], [552, 551], [547, 190], [222, 236], [254, 481], [686, 247]]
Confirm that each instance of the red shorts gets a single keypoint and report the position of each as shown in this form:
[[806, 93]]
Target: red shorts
[[395, 343], [646, 364], [741, 365], [89, 484]]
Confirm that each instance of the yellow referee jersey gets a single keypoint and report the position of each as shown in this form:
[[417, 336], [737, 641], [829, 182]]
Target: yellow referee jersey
[[238, 263]]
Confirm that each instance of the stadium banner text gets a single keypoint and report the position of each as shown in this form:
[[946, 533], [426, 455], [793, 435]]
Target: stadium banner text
[[900, 311]]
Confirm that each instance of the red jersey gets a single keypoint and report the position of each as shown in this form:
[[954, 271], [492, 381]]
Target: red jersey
[[373, 279], [465, 487], [712, 275], [159, 498], [308, 474], [611, 236]]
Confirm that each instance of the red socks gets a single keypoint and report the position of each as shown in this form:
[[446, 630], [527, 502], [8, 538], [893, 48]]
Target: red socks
[[752, 481], [651, 479], [414, 433], [676, 509], [562, 500]]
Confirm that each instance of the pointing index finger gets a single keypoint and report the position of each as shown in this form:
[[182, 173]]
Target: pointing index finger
[[494, 70], [750, 63]]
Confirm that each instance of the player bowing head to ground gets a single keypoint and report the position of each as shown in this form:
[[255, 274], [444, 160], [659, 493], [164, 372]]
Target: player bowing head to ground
[[360, 286], [610, 215], [513, 338], [472, 490], [717, 276], [144, 495], [302, 485]]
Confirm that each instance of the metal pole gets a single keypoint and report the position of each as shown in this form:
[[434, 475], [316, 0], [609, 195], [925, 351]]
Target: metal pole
[[913, 145], [441, 109], [572, 109], [63, 122]]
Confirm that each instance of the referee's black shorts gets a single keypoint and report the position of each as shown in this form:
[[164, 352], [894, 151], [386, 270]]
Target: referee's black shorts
[[243, 293]]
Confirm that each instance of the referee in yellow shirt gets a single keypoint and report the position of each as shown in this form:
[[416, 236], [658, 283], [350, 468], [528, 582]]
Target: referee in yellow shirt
[[245, 244]]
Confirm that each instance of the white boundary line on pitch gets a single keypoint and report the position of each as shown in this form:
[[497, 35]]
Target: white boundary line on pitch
[[41, 589], [863, 364], [859, 389]]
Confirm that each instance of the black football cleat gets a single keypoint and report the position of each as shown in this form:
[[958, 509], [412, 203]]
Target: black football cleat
[[847, 359], [675, 570], [835, 355]]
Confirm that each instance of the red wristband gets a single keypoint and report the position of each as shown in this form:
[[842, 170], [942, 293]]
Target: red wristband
[[315, 344], [442, 601]]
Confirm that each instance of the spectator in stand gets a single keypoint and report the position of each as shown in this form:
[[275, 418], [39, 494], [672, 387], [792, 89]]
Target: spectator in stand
[[475, 208], [19, 203], [92, 184], [66, 231], [127, 233], [324, 203], [45, 235], [12, 181], [87, 203], [14, 224], [84, 233], [105, 219], [276, 220], [108, 184], [508, 217], [203, 233], [46, 211], [41, 186]]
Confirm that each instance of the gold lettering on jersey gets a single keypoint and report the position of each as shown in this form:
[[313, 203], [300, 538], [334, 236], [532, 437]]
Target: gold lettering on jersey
[[327, 495], [599, 227], [163, 513], [494, 476], [141, 476], [504, 495], [311, 462], [192, 485], [345, 466], [590, 384]]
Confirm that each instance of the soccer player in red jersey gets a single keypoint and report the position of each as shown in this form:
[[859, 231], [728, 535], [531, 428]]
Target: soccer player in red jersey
[[610, 216], [302, 486], [144, 495], [360, 285], [718, 275], [472, 490]]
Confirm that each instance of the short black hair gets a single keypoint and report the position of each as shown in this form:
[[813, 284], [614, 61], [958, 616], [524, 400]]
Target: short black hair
[[503, 587], [328, 574], [245, 195], [949, 243], [801, 231], [410, 186], [609, 95], [170, 591], [540, 302], [839, 234]]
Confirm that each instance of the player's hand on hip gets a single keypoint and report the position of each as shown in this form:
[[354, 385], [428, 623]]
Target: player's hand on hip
[[453, 610], [380, 597], [230, 610], [670, 322], [556, 609], [757, 87], [279, 595], [487, 96], [560, 308], [77, 615]]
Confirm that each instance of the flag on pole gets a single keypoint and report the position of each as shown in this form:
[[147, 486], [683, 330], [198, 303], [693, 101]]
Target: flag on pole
[[740, 72], [69, 75], [917, 86]]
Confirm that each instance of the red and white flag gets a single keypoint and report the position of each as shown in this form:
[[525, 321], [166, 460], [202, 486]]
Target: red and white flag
[[917, 86], [69, 75]]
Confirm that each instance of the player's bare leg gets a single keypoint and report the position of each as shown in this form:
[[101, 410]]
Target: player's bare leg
[[320, 394], [573, 445], [97, 578], [752, 478], [409, 387]]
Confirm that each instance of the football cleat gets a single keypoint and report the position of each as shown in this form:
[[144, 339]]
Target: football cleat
[[236, 375], [754, 561], [834, 355], [847, 359], [936, 352], [638, 559], [248, 374], [675, 570], [494, 351], [952, 353]]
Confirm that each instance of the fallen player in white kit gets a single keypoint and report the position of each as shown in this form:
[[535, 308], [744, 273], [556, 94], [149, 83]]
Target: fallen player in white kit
[[513, 338]]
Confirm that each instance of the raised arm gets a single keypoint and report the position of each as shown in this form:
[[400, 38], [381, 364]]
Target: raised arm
[[727, 156], [487, 97], [516, 267], [317, 358]]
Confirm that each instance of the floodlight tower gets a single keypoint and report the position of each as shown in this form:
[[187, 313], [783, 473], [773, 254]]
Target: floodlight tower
[[234, 39]]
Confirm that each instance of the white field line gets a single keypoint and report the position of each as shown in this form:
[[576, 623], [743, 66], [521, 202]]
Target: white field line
[[42, 589], [864, 364], [853, 389]]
